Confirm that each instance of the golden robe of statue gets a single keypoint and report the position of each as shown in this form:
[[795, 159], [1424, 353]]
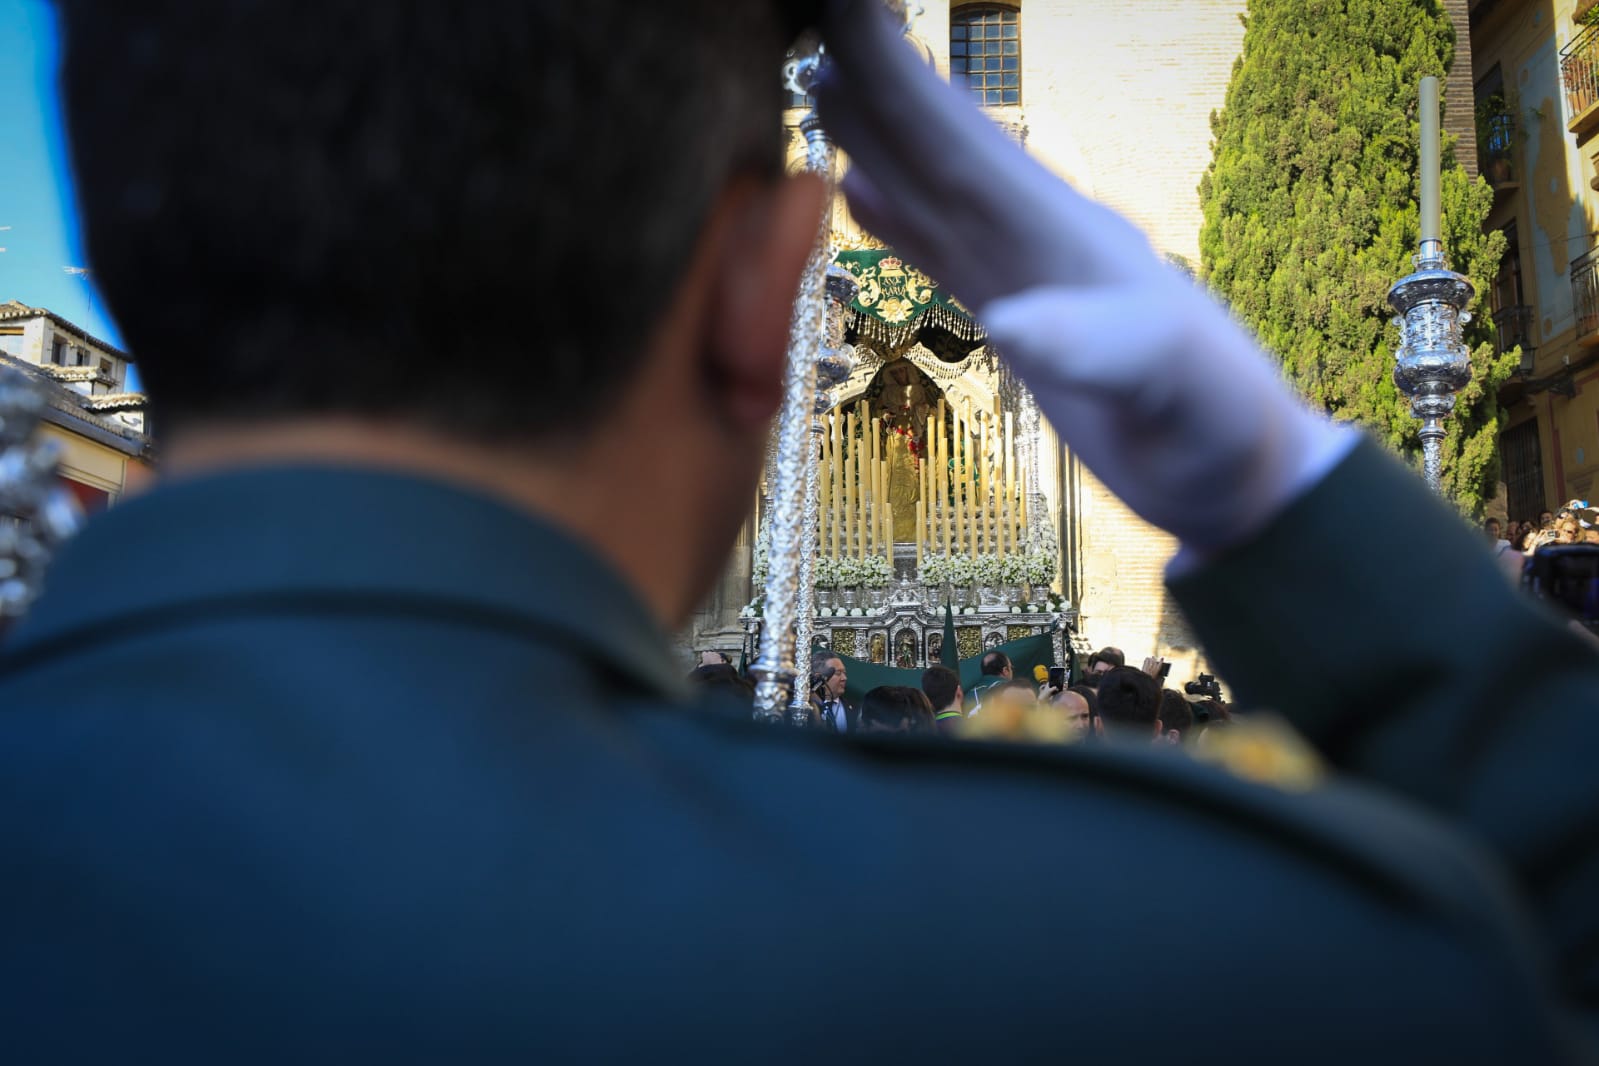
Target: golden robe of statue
[[904, 486]]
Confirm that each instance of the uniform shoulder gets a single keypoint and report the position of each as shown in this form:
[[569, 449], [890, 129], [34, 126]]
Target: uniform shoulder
[[1384, 846]]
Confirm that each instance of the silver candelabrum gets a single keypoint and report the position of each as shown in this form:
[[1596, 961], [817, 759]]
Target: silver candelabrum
[[791, 522], [1433, 363], [36, 514], [833, 365], [774, 668]]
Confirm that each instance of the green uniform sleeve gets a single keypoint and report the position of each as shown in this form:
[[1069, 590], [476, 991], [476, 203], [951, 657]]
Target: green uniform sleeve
[[1376, 621]]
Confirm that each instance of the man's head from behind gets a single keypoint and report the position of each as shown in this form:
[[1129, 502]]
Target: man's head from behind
[[1129, 703], [896, 709], [386, 212], [943, 687], [996, 664], [1103, 660]]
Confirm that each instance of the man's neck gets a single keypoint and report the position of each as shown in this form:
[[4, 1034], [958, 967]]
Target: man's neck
[[570, 489]]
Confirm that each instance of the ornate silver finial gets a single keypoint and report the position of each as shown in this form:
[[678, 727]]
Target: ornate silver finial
[[1432, 363], [43, 514]]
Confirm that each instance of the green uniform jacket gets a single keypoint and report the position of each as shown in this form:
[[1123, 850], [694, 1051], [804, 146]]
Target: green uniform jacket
[[316, 765]]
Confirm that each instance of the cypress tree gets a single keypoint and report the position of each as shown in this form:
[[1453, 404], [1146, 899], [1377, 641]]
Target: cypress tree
[[1310, 214]]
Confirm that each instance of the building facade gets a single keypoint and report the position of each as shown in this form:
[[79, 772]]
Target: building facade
[[1536, 76], [92, 415]]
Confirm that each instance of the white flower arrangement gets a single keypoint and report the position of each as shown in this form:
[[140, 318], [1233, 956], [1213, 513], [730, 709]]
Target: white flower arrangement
[[934, 569], [1013, 569], [879, 572], [987, 570], [824, 572], [1041, 567], [851, 573], [959, 570], [762, 563]]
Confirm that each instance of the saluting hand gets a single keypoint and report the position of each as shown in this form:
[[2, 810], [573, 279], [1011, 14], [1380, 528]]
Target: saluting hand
[[1159, 392]]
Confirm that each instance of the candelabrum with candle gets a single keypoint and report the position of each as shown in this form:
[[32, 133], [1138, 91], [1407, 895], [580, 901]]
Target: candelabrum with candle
[[1433, 363], [834, 362], [46, 513], [774, 668]]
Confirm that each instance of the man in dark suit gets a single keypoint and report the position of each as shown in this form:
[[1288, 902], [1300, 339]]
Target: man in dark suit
[[359, 738], [829, 679]]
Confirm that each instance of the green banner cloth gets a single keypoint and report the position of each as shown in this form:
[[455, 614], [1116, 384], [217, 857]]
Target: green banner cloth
[[1025, 654], [898, 304], [949, 651]]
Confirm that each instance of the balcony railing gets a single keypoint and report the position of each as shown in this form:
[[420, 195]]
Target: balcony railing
[[1585, 294], [1496, 148], [1513, 327], [1579, 74]]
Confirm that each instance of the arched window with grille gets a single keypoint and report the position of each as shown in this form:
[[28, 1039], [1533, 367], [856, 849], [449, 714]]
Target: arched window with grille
[[985, 52]]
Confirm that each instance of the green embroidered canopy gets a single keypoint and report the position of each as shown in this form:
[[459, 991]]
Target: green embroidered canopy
[[898, 306]]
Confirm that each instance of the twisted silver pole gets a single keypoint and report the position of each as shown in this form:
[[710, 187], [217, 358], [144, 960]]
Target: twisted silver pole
[[774, 668], [834, 362], [799, 706]]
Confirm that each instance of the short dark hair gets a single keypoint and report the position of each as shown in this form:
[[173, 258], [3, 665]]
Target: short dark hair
[[941, 684], [1088, 693], [1129, 700], [896, 708], [1176, 712], [995, 663], [819, 663], [1110, 655], [379, 209]]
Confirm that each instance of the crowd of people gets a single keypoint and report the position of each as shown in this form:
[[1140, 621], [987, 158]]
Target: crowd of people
[[1108, 701]]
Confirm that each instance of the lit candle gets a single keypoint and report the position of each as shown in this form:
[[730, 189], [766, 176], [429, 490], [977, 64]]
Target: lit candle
[[1010, 479], [968, 490], [838, 478], [957, 535], [921, 519], [1431, 222], [941, 475], [984, 499], [888, 515], [852, 486], [824, 472], [874, 456]]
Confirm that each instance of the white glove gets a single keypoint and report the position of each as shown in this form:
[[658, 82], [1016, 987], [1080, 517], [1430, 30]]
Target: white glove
[[1164, 397]]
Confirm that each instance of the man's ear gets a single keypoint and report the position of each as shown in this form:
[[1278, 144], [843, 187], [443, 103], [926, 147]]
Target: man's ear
[[768, 232]]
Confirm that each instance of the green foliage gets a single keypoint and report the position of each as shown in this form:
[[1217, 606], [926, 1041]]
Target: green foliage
[[1310, 214]]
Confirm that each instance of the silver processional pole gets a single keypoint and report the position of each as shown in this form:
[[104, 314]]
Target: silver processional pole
[[774, 668], [1432, 363], [791, 544]]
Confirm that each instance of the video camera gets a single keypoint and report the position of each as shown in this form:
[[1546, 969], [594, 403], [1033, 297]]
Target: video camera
[[1206, 686]]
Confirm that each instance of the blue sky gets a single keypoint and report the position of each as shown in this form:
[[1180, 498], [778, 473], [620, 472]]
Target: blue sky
[[35, 186]]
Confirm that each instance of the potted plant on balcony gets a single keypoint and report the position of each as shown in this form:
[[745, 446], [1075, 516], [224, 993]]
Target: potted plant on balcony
[[1496, 136]]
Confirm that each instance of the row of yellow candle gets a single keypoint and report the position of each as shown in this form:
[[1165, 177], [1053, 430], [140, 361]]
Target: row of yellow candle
[[972, 497], [855, 514]]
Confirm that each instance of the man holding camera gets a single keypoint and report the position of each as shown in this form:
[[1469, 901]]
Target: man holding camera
[[829, 679]]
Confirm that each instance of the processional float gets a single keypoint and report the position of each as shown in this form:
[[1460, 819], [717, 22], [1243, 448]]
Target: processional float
[[998, 515]]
